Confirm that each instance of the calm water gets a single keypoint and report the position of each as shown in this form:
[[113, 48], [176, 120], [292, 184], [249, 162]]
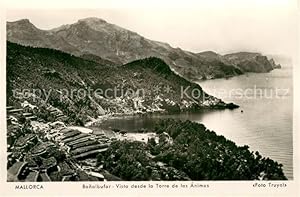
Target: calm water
[[266, 123]]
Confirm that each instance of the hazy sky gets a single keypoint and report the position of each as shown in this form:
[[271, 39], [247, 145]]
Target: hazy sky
[[269, 27]]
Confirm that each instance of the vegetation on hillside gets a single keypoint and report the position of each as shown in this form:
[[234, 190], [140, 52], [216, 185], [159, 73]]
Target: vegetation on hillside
[[184, 150], [70, 82], [192, 152]]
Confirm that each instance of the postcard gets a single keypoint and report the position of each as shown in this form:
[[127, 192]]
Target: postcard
[[150, 98]]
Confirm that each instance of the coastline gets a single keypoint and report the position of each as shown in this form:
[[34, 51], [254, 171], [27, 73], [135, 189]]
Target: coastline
[[230, 106], [65, 137]]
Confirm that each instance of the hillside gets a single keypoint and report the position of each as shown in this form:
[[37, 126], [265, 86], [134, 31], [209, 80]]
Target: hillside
[[46, 98], [94, 36], [188, 151], [83, 89]]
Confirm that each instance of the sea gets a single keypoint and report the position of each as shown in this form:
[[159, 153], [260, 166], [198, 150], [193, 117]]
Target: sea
[[264, 120]]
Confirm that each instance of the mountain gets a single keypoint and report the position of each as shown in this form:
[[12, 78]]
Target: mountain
[[96, 37], [83, 89], [251, 62], [245, 61]]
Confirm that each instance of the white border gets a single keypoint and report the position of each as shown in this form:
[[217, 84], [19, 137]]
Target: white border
[[217, 188]]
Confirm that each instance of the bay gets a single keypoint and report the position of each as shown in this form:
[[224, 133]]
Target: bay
[[264, 120]]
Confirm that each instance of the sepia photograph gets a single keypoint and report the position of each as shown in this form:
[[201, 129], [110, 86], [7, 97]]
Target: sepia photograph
[[195, 94]]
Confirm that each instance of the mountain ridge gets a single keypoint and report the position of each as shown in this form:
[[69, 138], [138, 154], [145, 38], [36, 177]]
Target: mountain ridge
[[113, 43]]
